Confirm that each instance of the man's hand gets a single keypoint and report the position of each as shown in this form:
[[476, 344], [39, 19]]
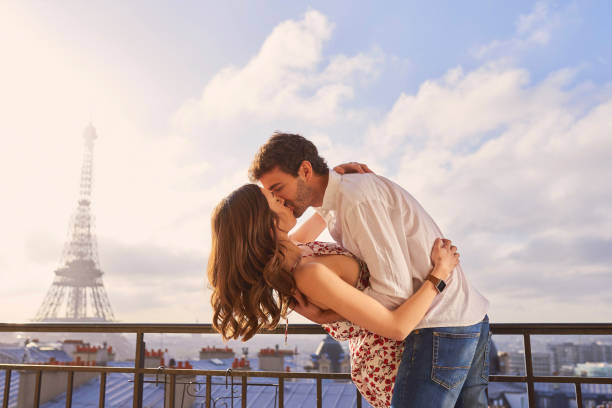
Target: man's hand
[[352, 167], [312, 312]]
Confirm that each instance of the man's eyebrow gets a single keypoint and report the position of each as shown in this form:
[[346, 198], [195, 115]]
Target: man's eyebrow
[[274, 186]]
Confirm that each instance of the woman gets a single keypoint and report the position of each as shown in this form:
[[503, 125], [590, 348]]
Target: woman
[[256, 269]]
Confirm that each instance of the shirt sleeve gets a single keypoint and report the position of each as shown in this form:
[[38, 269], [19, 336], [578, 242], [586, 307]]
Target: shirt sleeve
[[372, 232]]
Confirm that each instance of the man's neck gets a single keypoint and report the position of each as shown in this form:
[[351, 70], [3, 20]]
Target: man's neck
[[319, 187]]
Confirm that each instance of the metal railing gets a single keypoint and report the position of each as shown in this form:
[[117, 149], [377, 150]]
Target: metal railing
[[139, 371]]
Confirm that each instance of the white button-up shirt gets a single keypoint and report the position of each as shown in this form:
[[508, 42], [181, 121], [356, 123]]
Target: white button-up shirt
[[384, 225]]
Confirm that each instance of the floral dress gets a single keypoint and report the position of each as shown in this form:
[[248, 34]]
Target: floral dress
[[374, 359]]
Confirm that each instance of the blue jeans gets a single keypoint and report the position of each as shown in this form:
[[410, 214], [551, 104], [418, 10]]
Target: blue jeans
[[444, 367]]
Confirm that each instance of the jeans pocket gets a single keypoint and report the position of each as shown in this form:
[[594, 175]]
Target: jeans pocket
[[453, 354]]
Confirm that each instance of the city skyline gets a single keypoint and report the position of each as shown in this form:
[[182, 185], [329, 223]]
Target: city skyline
[[498, 128]]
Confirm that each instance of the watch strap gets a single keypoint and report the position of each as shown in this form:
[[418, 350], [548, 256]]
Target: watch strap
[[438, 283]]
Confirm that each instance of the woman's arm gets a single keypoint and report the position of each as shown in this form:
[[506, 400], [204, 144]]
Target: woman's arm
[[325, 288], [309, 230]]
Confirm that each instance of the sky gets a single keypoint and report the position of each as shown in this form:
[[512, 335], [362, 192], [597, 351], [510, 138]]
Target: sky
[[494, 115]]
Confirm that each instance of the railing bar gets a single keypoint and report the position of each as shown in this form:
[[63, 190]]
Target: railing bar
[[358, 398], [37, 389], [102, 389], [556, 380], [276, 374], [578, 395], [138, 363], [153, 371], [244, 392], [208, 390], [496, 328], [7, 388], [281, 392], [319, 394], [529, 370], [172, 394], [70, 381]]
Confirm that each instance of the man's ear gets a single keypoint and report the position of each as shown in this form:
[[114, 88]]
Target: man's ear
[[305, 171]]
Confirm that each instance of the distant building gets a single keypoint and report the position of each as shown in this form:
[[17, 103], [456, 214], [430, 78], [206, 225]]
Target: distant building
[[330, 357], [155, 358], [570, 354], [543, 363], [273, 359], [100, 354], [207, 353], [593, 370], [33, 352], [513, 363]]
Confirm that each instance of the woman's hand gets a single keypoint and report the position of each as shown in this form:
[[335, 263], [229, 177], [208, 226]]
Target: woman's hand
[[445, 258], [352, 167]]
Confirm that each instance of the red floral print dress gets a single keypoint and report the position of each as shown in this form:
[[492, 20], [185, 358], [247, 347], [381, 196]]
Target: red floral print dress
[[374, 359]]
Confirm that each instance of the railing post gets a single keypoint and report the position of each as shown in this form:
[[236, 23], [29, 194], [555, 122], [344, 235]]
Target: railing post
[[208, 391], [281, 392], [172, 393], [102, 390], [578, 395], [70, 381], [139, 364], [358, 398], [37, 389], [529, 370], [7, 388], [244, 391], [319, 393]]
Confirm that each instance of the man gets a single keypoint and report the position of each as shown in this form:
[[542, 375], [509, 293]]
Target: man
[[445, 361]]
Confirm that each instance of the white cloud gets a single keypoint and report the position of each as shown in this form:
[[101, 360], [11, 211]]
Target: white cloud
[[289, 78], [533, 29], [501, 162]]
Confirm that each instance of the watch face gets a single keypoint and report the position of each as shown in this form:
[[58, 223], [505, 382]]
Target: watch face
[[441, 286]]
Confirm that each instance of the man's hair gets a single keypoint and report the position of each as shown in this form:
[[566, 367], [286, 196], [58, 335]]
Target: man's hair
[[287, 151]]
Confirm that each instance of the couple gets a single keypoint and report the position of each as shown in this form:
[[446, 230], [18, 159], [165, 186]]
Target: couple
[[417, 330]]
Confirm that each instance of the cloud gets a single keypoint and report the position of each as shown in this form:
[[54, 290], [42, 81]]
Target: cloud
[[147, 279], [532, 30], [512, 170], [290, 78]]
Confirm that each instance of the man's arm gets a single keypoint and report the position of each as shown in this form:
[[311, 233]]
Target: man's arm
[[313, 312], [309, 230]]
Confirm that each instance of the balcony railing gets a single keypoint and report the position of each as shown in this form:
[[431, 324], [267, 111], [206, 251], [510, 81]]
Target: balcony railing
[[139, 371]]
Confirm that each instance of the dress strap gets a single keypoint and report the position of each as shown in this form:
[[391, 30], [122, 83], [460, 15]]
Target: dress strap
[[326, 248]]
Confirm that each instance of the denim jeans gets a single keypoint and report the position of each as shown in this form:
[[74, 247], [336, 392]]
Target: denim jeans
[[444, 367]]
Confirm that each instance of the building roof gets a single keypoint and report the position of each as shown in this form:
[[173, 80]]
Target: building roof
[[34, 354], [261, 392]]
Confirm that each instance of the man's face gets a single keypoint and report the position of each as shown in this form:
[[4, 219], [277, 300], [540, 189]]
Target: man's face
[[294, 190]]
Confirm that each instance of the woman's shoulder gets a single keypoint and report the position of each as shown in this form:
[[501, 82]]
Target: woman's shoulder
[[311, 275]]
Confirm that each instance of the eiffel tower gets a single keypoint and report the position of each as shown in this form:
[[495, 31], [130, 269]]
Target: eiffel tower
[[77, 293]]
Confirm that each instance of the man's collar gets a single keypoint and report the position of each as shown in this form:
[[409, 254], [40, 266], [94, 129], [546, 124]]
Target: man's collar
[[329, 198]]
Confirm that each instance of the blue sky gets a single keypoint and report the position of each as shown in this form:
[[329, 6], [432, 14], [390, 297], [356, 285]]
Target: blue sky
[[492, 114]]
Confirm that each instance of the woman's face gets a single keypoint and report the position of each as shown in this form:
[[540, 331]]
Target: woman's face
[[286, 218]]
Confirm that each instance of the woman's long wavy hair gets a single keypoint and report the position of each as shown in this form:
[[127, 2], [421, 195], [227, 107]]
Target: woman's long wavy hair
[[252, 289]]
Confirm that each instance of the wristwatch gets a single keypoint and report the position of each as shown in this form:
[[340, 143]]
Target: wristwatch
[[438, 283]]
